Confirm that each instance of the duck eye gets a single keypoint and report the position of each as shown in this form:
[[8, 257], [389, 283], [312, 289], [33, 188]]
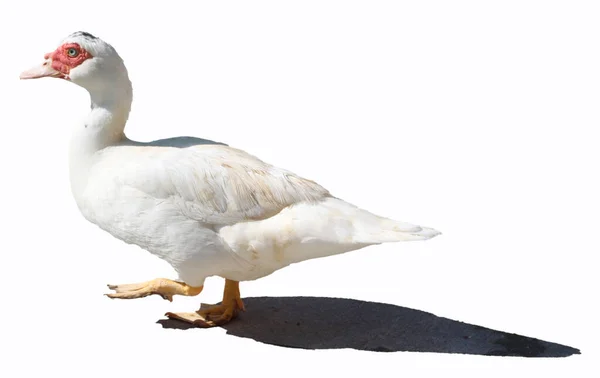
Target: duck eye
[[72, 52]]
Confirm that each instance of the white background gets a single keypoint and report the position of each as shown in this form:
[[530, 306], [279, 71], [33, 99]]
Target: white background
[[477, 118]]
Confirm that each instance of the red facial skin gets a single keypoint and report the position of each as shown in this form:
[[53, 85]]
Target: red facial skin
[[63, 63]]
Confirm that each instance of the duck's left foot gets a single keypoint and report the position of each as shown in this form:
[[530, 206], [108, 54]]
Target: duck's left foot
[[161, 286], [215, 315]]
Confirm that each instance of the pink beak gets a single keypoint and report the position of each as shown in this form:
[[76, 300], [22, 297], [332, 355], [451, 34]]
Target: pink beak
[[43, 70]]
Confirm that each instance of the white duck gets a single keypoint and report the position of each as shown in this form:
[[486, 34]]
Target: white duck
[[205, 208]]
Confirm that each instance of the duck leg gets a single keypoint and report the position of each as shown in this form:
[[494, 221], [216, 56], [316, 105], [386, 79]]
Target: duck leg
[[161, 286], [214, 315]]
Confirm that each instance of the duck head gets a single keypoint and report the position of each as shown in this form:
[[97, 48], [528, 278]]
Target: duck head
[[82, 59]]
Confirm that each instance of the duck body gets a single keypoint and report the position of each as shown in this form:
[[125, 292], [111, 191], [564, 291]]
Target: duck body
[[204, 207], [213, 210]]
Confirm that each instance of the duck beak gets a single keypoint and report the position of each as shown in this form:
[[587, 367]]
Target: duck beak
[[43, 70]]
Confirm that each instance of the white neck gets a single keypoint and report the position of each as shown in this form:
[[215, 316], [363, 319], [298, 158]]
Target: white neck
[[105, 123], [102, 128]]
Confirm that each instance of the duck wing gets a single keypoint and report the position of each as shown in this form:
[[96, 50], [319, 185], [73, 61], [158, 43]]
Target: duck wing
[[218, 184]]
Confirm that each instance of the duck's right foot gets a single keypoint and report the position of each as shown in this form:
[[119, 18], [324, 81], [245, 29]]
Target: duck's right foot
[[215, 315]]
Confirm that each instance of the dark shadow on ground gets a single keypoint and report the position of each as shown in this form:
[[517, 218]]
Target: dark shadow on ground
[[327, 323]]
